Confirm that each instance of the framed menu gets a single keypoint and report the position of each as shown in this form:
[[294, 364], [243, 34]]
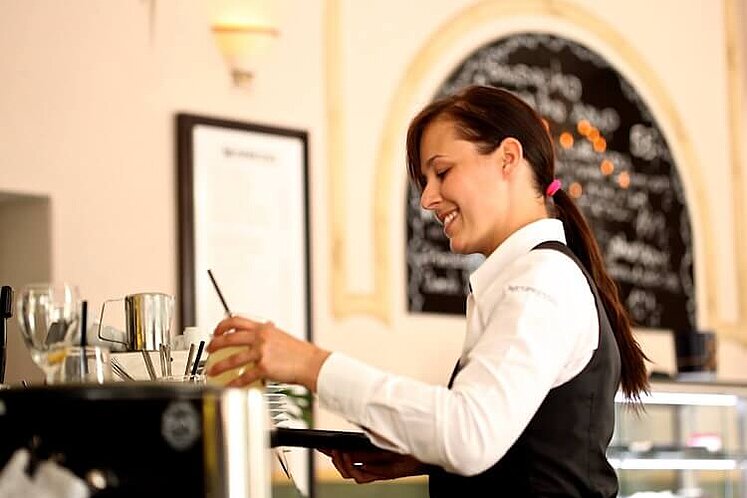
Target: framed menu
[[243, 214]]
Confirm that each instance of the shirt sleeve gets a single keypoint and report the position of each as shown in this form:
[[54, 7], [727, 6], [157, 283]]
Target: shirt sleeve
[[527, 338]]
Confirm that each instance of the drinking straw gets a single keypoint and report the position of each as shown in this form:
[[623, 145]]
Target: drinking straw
[[220, 294], [162, 358], [119, 370], [149, 365], [83, 320], [197, 358], [190, 357], [167, 353]]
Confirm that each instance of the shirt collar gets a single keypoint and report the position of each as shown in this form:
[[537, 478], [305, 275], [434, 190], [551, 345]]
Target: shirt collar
[[518, 243]]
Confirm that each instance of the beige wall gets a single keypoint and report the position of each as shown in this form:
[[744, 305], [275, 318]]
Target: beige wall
[[25, 249], [90, 89]]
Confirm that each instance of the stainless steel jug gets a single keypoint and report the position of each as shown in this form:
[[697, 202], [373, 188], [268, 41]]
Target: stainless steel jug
[[147, 321]]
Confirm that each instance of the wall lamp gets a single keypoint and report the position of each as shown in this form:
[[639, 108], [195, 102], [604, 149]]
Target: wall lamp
[[242, 45]]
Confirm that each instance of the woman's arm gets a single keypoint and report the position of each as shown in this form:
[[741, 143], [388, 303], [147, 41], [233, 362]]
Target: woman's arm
[[521, 346], [272, 353]]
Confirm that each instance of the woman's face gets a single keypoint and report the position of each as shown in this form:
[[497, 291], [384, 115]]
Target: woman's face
[[466, 190]]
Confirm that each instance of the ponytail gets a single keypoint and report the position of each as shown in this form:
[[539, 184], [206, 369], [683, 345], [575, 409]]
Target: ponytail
[[581, 241]]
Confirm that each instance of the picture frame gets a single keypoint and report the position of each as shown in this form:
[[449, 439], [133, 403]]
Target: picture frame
[[243, 213]]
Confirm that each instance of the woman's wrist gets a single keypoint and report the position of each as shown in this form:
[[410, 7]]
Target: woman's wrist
[[313, 366]]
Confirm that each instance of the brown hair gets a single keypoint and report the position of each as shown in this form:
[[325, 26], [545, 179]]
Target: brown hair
[[487, 115]]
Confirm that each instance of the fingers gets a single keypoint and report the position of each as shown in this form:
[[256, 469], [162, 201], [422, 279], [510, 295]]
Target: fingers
[[357, 470], [239, 338], [351, 468], [246, 356], [262, 351], [249, 375], [372, 457], [337, 462], [235, 323], [238, 331]]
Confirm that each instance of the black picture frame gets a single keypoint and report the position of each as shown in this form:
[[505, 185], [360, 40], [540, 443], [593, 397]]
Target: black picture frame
[[215, 159]]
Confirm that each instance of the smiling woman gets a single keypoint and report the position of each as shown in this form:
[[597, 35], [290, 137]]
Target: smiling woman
[[461, 184], [484, 162], [530, 406]]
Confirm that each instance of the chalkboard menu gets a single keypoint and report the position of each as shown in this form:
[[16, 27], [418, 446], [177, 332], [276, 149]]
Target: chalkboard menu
[[611, 157]]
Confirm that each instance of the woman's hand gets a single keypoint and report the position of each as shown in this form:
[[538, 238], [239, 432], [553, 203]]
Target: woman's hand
[[271, 353], [369, 466]]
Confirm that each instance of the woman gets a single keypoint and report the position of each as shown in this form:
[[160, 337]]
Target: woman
[[529, 410]]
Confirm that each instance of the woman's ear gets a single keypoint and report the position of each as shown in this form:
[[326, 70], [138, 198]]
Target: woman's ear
[[510, 154]]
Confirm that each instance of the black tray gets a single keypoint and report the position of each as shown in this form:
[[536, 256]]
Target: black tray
[[321, 439]]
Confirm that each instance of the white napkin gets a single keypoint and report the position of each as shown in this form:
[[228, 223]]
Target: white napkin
[[49, 481]]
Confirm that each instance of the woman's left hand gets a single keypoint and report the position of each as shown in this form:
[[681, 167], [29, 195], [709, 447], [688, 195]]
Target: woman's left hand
[[271, 354]]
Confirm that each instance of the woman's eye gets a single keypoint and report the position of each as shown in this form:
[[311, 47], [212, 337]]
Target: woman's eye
[[442, 173]]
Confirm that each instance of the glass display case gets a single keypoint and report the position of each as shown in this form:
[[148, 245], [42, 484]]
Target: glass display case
[[687, 440]]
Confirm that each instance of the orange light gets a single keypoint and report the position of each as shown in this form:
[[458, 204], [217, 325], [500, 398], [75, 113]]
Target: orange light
[[600, 144], [607, 167], [623, 179], [566, 140], [575, 190], [593, 134], [583, 127]]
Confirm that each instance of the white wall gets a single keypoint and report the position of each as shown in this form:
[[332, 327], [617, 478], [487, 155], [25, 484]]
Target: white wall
[[89, 89]]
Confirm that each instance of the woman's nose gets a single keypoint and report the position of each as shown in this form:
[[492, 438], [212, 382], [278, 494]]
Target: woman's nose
[[429, 198]]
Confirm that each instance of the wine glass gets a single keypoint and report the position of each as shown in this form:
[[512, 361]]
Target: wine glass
[[48, 315]]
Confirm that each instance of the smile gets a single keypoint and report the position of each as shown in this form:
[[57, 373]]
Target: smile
[[448, 221], [449, 218]]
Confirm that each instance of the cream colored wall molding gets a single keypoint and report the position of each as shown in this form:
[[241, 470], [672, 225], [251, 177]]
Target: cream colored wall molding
[[733, 17], [345, 303], [378, 303]]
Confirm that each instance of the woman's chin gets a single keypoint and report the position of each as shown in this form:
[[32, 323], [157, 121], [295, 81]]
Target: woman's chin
[[456, 247]]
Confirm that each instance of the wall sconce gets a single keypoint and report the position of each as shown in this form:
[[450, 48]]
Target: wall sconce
[[242, 45]]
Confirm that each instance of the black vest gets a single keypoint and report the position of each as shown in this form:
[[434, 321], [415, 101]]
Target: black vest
[[562, 452]]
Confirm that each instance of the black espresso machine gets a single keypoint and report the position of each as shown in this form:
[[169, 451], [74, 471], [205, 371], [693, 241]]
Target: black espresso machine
[[144, 439]]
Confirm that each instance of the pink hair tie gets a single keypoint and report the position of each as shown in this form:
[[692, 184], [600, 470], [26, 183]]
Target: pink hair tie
[[553, 187]]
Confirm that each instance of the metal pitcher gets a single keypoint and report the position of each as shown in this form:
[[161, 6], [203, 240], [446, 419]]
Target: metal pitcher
[[147, 321]]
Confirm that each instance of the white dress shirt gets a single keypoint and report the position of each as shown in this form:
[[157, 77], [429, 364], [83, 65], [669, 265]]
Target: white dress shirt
[[531, 326]]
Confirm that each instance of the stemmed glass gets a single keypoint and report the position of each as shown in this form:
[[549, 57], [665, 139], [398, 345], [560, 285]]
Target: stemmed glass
[[48, 315]]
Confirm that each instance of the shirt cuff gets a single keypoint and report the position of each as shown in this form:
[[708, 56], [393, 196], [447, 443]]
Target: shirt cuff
[[344, 384]]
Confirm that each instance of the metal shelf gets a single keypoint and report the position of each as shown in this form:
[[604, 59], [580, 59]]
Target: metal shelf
[[669, 462]]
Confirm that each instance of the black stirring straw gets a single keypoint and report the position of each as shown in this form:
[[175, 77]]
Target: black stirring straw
[[220, 294], [83, 319], [197, 358], [223, 302]]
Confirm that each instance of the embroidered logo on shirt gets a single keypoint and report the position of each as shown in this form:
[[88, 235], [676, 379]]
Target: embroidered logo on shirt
[[532, 290]]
